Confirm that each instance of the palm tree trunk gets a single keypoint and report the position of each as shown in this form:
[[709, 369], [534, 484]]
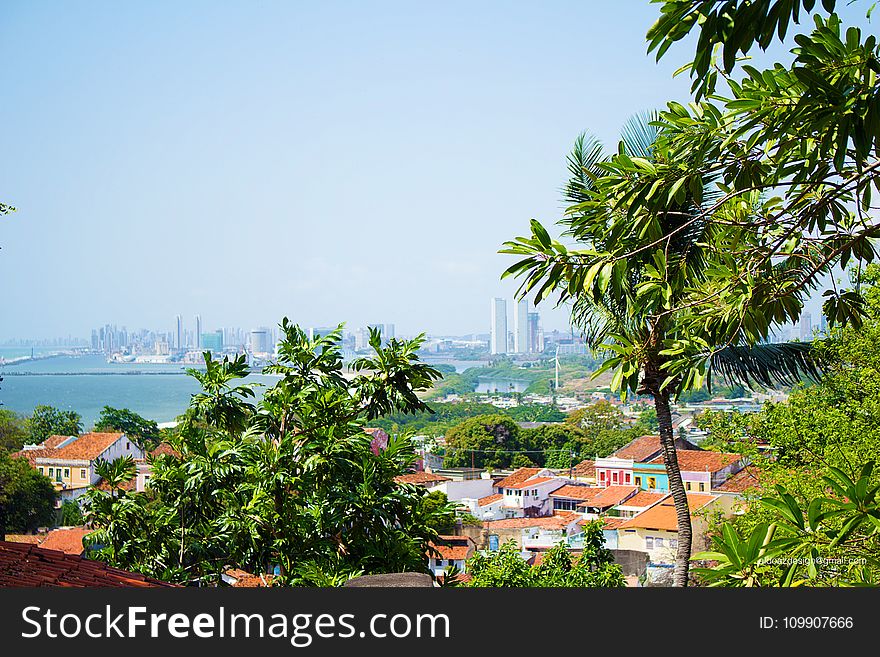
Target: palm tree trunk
[[676, 487]]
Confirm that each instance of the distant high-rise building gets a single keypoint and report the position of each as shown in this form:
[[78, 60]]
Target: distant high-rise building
[[536, 345], [521, 327], [198, 335], [261, 341], [212, 342], [806, 326], [178, 343], [388, 333], [318, 331], [498, 329]]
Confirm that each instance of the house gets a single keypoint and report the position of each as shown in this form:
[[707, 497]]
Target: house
[[702, 471], [456, 491], [605, 499], [585, 471], [448, 552], [568, 497], [424, 479], [526, 492], [27, 566], [528, 533], [651, 476], [645, 448], [655, 530], [69, 461], [747, 479], [614, 471], [639, 502], [66, 539], [485, 508], [145, 466]]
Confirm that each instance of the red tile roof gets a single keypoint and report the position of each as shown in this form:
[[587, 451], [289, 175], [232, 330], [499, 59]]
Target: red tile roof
[[558, 521], [517, 477], [611, 496], [245, 580], [129, 485], [420, 478], [68, 540], [163, 449], [528, 483], [644, 498], [24, 566], [746, 479], [573, 492], [87, 447], [702, 461], [490, 499], [32, 539], [585, 469], [646, 447], [458, 548], [662, 516]]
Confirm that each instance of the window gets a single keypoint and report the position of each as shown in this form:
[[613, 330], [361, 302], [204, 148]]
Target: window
[[57, 474], [614, 477], [627, 477], [702, 486], [51, 473], [658, 542], [127, 446], [638, 481], [652, 483], [67, 473], [649, 542], [42, 470], [535, 493], [82, 473], [673, 543], [687, 485]]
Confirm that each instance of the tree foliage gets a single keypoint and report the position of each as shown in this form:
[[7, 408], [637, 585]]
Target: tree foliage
[[27, 498], [593, 568], [291, 484], [48, 421], [144, 432]]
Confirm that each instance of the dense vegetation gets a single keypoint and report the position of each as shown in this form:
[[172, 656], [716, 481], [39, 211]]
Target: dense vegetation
[[292, 484], [27, 498]]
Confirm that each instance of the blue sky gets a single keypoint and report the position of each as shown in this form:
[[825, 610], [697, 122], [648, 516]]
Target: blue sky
[[338, 161]]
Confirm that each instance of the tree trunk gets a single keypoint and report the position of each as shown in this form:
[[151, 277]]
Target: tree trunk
[[676, 487]]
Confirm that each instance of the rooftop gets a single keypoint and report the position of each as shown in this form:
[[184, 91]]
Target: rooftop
[[585, 469], [517, 477], [68, 540], [647, 447], [702, 461], [745, 479], [662, 515], [457, 548], [528, 483], [611, 496], [420, 478], [558, 521], [26, 566], [644, 498], [490, 499], [572, 492]]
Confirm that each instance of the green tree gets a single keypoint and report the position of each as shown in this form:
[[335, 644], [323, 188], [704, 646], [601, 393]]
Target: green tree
[[71, 514], [144, 432], [593, 568], [13, 430], [633, 283], [27, 498], [292, 484], [484, 441], [48, 421], [439, 513]]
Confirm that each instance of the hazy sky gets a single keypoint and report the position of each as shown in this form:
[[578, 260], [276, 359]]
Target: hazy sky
[[329, 161]]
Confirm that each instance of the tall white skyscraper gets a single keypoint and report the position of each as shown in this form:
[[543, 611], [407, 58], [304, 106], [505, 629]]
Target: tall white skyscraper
[[498, 330], [178, 344], [521, 341], [806, 326], [198, 344]]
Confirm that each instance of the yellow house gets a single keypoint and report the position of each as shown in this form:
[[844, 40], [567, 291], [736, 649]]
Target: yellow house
[[69, 461]]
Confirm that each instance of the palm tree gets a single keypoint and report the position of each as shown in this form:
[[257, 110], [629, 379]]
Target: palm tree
[[631, 287]]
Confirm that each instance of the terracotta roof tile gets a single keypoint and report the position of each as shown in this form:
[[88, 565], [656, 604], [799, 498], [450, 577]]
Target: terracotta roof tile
[[647, 447], [517, 477], [452, 547], [558, 521], [68, 540], [662, 516], [164, 449], [573, 492], [528, 483], [24, 566], [490, 499], [702, 461], [245, 580], [585, 469], [420, 478], [746, 479], [87, 447], [611, 496], [32, 539], [644, 498]]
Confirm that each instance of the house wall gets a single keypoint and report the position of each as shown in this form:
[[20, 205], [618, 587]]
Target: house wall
[[458, 490], [644, 471]]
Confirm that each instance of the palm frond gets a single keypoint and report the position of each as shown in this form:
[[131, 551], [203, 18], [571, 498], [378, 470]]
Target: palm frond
[[583, 165], [767, 365], [638, 134]]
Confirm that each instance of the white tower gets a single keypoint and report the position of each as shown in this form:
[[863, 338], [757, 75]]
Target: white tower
[[498, 333]]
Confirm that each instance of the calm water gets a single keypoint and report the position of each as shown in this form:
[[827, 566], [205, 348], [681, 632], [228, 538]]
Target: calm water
[[86, 384]]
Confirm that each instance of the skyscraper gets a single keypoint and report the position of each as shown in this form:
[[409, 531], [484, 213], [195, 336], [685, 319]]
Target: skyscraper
[[806, 326], [198, 337], [521, 342], [536, 338], [178, 343], [498, 330]]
